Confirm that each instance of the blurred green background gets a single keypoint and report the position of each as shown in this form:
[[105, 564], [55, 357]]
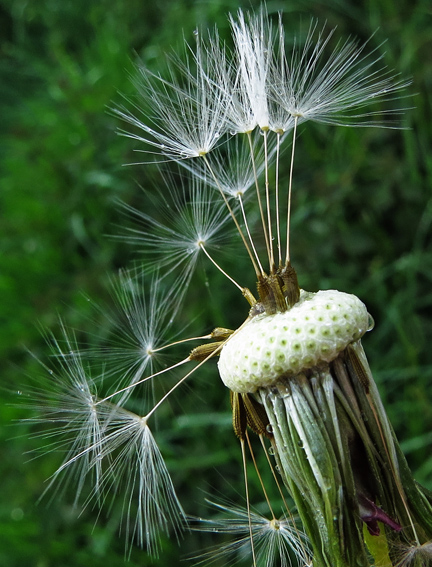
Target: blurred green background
[[362, 224]]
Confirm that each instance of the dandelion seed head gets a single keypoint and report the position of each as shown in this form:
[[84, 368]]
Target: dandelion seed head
[[137, 467], [310, 83], [315, 330], [215, 112], [113, 448], [330, 86]]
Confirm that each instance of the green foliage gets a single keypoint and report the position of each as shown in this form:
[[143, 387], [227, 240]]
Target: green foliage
[[362, 224]]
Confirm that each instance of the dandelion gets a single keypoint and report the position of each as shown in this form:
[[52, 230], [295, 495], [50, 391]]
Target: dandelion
[[193, 224], [138, 327], [108, 443], [277, 540], [235, 166], [136, 468], [329, 88], [67, 399], [187, 119], [295, 367], [253, 44]]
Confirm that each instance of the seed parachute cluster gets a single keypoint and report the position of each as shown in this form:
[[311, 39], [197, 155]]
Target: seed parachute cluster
[[295, 367]]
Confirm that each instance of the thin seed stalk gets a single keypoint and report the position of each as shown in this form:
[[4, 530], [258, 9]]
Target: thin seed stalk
[[341, 463]]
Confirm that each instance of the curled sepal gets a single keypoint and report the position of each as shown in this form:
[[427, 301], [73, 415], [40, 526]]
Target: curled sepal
[[247, 411]]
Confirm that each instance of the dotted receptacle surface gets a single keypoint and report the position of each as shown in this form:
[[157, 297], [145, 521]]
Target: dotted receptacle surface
[[314, 330]]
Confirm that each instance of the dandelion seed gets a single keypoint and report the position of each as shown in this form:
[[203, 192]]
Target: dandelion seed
[[253, 44], [140, 325], [277, 541], [232, 165], [331, 88], [108, 445], [137, 471], [413, 556], [188, 116], [192, 219], [67, 401]]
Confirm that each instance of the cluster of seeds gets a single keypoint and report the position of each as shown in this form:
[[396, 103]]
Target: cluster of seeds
[[313, 331]]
